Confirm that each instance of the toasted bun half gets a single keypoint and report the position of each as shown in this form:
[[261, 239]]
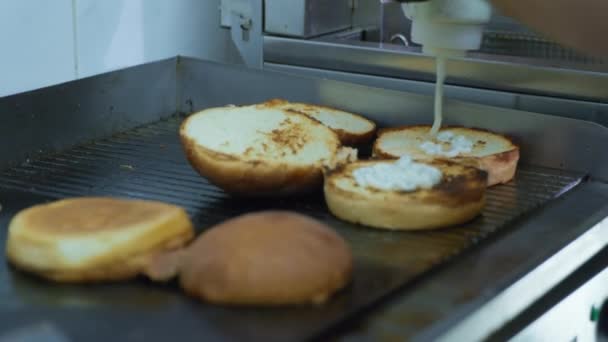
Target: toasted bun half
[[259, 150], [352, 129], [94, 239], [267, 259], [491, 152], [458, 198]]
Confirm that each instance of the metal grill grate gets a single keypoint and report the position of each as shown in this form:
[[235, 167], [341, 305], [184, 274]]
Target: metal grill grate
[[148, 163]]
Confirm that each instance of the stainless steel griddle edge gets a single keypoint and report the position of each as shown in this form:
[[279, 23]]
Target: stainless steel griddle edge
[[488, 286], [85, 110]]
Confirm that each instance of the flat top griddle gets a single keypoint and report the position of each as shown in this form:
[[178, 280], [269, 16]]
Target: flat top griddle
[[148, 163]]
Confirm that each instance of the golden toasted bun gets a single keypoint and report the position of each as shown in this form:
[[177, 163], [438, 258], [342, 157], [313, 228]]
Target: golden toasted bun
[[259, 150], [458, 198], [492, 152], [266, 259], [352, 129], [94, 239]]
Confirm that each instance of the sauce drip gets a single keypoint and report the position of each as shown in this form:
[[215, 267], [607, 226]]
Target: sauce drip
[[440, 79]]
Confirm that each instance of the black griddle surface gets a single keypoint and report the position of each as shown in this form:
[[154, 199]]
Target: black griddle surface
[[148, 163]]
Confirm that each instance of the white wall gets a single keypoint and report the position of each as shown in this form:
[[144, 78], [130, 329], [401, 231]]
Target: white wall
[[45, 42]]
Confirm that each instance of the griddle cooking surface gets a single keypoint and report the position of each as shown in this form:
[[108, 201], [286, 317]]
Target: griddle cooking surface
[[148, 163]]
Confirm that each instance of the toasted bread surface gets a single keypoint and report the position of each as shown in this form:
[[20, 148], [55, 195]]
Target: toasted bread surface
[[491, 152], [457, 198], [266, 259], [94, 239], [258, 150], [352, 129]]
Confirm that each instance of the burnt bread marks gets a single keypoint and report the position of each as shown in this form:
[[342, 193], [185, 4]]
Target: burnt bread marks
[[271, 152], [352, 129], [457, 197], [494, 153], [290, 136]]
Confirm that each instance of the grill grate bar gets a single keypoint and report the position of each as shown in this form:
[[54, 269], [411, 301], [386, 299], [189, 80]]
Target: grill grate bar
[[155, 177], [50, 190], [186, 173], [131, 189]]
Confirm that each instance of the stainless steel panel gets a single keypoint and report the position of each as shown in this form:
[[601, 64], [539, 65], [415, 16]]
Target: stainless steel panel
[[306, 18], [571, 319], [574, 109], [247, 32], [366, 13], [512, 74], [54, 118], [440, 311], [545, 140]]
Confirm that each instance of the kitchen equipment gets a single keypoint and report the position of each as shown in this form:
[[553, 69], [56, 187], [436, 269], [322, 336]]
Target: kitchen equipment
[[308, 18], [513, 67], [540, 238], [532, 267]]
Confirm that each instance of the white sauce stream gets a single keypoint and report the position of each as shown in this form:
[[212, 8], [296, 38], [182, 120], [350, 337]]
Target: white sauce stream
[[441, 73]]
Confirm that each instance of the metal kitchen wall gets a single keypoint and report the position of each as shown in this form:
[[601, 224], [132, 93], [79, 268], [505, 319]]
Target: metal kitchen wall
[[46, 42]]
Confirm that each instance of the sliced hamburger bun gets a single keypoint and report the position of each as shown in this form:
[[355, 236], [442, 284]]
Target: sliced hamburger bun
[[352, 129], [458, 197], [260, 150], [266, 259], [491, 152], [94, 239]]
